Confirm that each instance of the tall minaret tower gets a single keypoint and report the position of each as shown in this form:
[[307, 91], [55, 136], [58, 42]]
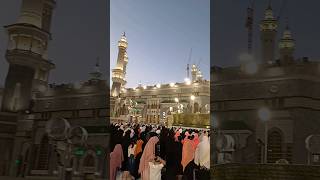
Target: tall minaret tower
[[118, 73], [27, 54], [96, 73], [286, 47], [268, 30], [194, 72]]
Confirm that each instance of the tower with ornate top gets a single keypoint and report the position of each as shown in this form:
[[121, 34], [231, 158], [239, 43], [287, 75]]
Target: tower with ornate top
[[286, 47], [268, 30], [27, 55], [119, 72]]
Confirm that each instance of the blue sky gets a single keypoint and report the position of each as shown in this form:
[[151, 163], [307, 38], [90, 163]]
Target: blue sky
[[160, 35]]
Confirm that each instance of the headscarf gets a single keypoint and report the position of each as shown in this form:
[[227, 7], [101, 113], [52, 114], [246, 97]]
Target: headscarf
[[116, 158], [132, 133], [138, 147], [187, 152], [187, 134], [176, 136], [202, 154], [196, 140], [148, 155]]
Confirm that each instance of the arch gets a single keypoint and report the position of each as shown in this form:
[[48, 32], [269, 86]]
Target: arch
[[274, 146], [43, 155], [195, 107], [89, 161]]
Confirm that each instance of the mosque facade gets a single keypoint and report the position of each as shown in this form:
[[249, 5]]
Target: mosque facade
[[183, 103], [268, 112]]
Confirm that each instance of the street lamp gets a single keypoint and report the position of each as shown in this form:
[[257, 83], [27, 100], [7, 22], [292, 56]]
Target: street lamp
[[187, 81], [265, 115]]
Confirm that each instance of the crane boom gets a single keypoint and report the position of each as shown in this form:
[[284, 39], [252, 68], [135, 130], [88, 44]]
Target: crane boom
[[249, 25], [189, 59], [283, 5]]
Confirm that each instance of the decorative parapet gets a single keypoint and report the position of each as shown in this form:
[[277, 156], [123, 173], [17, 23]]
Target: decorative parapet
[[192, 120]]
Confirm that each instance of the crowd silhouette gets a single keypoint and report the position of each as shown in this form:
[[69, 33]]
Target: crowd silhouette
[[154, 152]]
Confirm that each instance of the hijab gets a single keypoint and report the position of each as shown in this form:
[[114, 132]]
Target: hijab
[[202, 154], [148, 155], [187, 152], [138, 147], [116, 158]]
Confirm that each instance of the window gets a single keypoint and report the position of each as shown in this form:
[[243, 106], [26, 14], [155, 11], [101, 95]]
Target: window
[[43, 156], [196, 108], [89, 161], [274, 146]]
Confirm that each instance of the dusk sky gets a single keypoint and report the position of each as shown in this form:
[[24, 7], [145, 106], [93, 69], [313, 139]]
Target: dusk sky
[[79, 32], [160, 35], [230, 34]]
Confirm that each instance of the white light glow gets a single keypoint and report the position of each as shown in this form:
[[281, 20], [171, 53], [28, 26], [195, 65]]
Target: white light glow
[[176, 99], [158, 85], [264, 114], [187, 81], [251, 67], [171, 84], [192, 97]]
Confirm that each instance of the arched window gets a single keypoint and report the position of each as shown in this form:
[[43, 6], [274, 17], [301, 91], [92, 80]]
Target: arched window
[[196, 108], [43, 156], [89, 161], [274, 146]]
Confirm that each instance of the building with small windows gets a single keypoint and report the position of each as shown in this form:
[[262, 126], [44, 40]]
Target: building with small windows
[[183, 103], [264, 113]]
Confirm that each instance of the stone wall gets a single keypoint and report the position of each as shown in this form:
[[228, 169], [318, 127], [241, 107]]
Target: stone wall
[[265, 172]]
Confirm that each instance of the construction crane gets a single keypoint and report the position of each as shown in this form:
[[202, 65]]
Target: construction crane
[[249, 25], [283, 5], [189, 59], [198, 65], [250, 19]]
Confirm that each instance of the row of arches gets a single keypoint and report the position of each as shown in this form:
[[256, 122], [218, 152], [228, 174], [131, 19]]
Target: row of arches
[[46, 157]]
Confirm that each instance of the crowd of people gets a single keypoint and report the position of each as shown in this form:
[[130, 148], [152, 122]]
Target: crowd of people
[[154, 152]]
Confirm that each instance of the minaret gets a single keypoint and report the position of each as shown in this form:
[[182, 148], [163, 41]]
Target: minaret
[[194, 72], [96, 74], [119, 72], [27, 54], [199, 75], [268, 30], [286, 47]]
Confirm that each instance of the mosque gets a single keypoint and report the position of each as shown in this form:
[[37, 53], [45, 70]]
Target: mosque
[[267, 112], [181, 104]]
